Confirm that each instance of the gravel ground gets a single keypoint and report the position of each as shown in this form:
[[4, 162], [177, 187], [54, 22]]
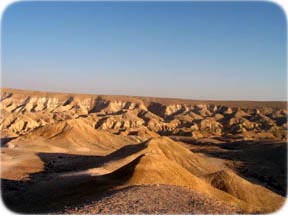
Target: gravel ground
[[153, 199]]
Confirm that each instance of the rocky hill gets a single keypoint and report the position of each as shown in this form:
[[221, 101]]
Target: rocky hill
[[65, 152], [25, 111]]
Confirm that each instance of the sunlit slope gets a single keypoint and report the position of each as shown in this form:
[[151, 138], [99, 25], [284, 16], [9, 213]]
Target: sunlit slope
[[23, 111], [74, 136]]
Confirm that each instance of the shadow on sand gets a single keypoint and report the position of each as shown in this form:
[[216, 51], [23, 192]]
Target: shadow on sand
[[5, 140], [261, 162], [46, 192]]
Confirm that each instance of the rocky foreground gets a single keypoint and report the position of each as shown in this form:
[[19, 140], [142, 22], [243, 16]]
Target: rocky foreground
[[154, 199], [72, 153]]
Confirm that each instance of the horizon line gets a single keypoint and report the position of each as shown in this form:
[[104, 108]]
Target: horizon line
[[138, 96]]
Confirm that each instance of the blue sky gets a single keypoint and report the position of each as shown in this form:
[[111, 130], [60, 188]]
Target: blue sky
[[227, 51]]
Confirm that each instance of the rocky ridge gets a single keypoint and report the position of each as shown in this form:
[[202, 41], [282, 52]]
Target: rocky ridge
[[25, 111], [74, 148]]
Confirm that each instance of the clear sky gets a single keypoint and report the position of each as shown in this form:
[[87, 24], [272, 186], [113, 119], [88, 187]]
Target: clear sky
[[228, 51]]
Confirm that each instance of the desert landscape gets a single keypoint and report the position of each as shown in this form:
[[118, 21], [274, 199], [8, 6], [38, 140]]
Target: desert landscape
[[97, 154]]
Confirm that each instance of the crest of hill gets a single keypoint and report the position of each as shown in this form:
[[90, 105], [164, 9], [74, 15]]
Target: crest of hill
[[228, 181], [17, 93], [164, 161], [74, 135]]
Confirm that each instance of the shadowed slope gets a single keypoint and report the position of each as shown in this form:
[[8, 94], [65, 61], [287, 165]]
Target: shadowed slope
[[262, 199], [65, 148], [157, 161], [168, 162]]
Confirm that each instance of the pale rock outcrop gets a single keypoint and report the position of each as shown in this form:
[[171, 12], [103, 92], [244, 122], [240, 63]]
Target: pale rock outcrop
[[22, 112], [211, 125]]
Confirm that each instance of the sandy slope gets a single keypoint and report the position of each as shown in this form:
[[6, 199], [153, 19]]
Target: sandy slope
[[67, 150]]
